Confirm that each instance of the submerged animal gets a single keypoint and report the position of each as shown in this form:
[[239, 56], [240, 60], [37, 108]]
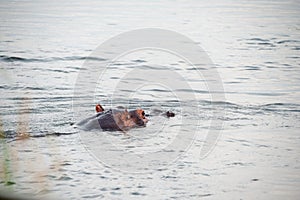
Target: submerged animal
[[117, 119]]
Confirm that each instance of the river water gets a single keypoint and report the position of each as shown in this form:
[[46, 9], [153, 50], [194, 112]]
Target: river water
[[255, 46]]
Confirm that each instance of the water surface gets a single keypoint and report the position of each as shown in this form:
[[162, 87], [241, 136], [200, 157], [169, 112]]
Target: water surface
[[255, 46]]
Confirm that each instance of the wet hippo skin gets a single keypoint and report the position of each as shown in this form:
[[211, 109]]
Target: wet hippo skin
[[117, 119], [122, 119]]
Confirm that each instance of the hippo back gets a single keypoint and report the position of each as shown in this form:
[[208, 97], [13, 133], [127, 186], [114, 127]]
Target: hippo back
[[109, 120]]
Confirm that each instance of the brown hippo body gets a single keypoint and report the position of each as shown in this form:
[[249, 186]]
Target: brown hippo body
[[122, 119], [116, 119]]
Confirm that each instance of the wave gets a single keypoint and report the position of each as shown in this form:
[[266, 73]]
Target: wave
[[270, 107], [5, 58], [13, 135], [288, 41], [281, 107]]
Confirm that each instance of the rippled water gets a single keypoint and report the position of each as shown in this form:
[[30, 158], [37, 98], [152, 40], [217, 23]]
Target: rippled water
[[255, 46]]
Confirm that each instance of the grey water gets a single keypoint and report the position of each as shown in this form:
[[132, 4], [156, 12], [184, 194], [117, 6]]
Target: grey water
[[255, 48]]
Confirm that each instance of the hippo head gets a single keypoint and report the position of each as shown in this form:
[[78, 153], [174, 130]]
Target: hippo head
[[133, 118], [139, 117]]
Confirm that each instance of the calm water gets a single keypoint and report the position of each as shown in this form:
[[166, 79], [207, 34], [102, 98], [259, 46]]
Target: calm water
[[256, 48]]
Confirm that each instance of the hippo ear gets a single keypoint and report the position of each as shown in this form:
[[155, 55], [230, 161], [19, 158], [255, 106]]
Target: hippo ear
[[99, 108]]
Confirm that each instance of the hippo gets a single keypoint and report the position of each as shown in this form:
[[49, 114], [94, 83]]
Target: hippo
[[117, 119]]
